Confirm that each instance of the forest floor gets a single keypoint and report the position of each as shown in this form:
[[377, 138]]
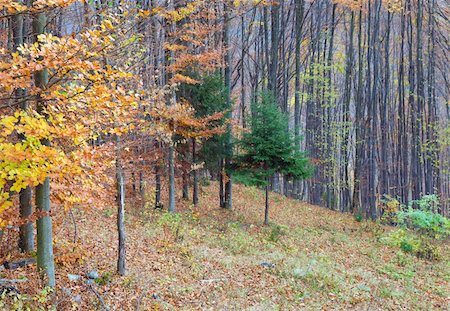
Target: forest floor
[[211, 259]]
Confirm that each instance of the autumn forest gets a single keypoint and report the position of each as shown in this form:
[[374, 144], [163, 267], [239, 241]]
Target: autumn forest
[[224, 155]]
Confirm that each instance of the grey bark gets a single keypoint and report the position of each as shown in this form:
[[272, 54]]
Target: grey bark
[[26, 230], [229, 147], [120, 197], [195, 174], [45, 259]]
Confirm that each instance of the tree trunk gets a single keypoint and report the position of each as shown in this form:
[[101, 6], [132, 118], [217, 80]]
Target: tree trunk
[[45, 259], [229, 147], [402, 142], [26, 230], [346, 204], [266, 210], [141, 186], [26, 234], [169, 58], [195, 174], [171, 179], [373, 139], [299, 13], [186, 185], [275, 39], [120, 197], [221, 185], [360, 146], [157, 187], [385, 143]]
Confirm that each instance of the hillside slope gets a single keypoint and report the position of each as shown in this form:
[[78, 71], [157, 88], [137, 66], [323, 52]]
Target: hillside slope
[[212, 259]]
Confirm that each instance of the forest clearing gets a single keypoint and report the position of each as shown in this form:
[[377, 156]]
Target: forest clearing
[[205, 258], [224, 155]]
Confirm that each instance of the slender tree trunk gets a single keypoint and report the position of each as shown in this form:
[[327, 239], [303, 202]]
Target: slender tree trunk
[[120, 197], [299, 13], [171, 179], [402, 153], [384, 167], [346, 204], [133, 182], [360, 108], [266, 46], [420, 138], [45, 259], [195, 174], [170, 56], [413, 189], [185, 194], [275, 35], [433, 184], [221, 185], [373, 140], [229, 147], [26, 234], [328, 143], [243, 43], [157, 186], [26, 230], [141, 185], [266, 210]]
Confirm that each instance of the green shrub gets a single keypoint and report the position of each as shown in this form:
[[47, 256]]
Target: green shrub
[[420, 215], [359, 217], [17, 302], [410, 243], [390, 206], [402, 259], [403, 239], [425, 222], [171, 220], [406, 246], [428, 203], [104, 279], [237, 240], [171, 224], [428, 251], [205, 182], [276, 231]]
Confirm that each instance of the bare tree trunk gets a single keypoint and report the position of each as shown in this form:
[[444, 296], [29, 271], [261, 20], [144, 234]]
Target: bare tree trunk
[[158, 203], [229, 147], [243, 43], [45, 259], [413, 189], [402, 145], [221, 185], [266, 210], [185, 194], [141, 186], [120, 197], [171, 178], [360, 146], [385, 143], [171, 157], [299, 15], [346, 204], [26, 234], [195, 174], [373, 139], [26, 230]]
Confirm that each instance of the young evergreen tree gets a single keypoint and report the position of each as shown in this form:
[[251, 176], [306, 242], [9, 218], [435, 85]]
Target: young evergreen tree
[[207, 97], [268, 148]]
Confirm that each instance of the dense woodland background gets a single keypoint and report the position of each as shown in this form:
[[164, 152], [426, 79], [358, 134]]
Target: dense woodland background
[[144, 103]]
